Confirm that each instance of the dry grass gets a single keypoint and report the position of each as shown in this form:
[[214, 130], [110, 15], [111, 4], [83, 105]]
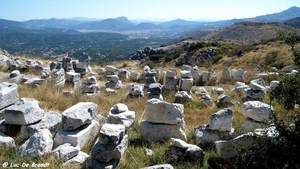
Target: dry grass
[[51, 98]]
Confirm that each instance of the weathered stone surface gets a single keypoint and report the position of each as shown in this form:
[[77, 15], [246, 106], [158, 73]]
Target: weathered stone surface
[[8, 94], [154, 132], [91, 88], [254, 94], [189, 152], [170, 74], [107, 152], [37, 145], [95, 164], [119, 108], [224, 100], [81, 68], [206, 100], [186, 74], [221, 120], [201, 91], [111, 134], [113, 85], [136, 91], [170, 83], [91, 80], [51, 121], [288, 69], [78, 115], [204, 76], [182, 97], [72, 76], [123, 73], [186, 84], [23, 112], [274, 84], [257, 111], [218, 90], [58, 75], [110, 68], [79, 159], [65, 152], [9, 129], [14, 73], [226, 75], [251, 125], [160, 166], [186, 68], [158, 111], [230, 148], [80, 137], [6, 141], [204, 135], [155, 88], [257, 84], [238, 75], [119, 114]]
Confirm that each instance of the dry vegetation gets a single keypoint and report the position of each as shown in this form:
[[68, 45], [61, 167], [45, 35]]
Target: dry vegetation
[[51, 98]]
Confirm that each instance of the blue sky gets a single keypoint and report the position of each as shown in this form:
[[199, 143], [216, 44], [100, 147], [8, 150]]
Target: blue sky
[[160, 10]]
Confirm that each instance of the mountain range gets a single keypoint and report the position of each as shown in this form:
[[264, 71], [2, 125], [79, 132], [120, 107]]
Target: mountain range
[[122, 24]]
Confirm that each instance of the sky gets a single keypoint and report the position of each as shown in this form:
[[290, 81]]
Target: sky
[[152, 10]]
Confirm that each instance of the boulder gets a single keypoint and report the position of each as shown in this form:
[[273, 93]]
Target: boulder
[[158, 111], [8, 94], [201, 91], [65, 152], [231, 148], [155, 132], [72, 76], [221, 120], [106, 152], [79, 159], [170, 74], [188, 152], [38, 145], [23, 112], [6, 141], [206, 100], [110, 68], [155, 88], [58, 75], [257, 84], [257, 111], [203, 135], [186, 84], [51, 121], [78, 115], [170, 83], [119, 115], [111, 134], [136, 91], [224, 100], [226, 75], [80, 137], [91, 80], [250, 125], [185, 74], [182, 97]]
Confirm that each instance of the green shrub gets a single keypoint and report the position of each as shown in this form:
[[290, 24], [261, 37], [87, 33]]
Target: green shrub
[[271, 57]]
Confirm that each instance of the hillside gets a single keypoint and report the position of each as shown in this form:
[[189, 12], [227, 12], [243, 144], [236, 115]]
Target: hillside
[[293, 22], [248, 32], [196, 113]]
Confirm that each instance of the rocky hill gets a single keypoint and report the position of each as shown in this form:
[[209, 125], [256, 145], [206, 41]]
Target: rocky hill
[[248, 32]]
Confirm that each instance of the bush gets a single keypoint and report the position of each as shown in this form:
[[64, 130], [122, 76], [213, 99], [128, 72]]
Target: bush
[[288, 92], [271, 57], [279, 152]]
